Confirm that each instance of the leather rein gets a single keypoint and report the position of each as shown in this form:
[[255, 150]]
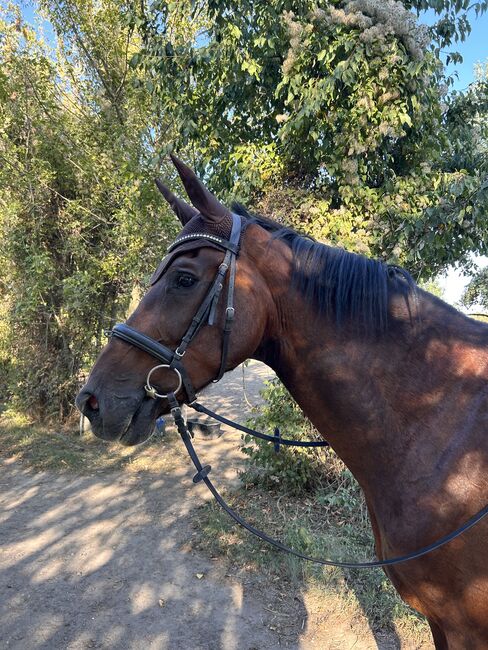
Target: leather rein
[[172, 359]]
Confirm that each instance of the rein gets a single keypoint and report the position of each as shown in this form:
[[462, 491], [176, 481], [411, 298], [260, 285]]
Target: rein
[[172, 359], [204, 471]]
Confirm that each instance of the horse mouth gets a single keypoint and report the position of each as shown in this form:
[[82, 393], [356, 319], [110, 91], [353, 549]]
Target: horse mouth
[[141, 425]]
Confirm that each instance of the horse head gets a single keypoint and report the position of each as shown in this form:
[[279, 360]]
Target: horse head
[[114, 398]]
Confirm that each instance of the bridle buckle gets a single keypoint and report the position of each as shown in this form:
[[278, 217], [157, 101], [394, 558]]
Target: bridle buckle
[[179, 354]]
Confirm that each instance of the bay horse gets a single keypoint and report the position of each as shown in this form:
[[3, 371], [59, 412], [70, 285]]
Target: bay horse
[[395, 379]]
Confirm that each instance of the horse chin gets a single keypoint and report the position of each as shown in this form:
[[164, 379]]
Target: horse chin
[[135, 436]]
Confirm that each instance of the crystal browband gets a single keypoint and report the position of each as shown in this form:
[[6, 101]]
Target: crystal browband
[[201, 235]]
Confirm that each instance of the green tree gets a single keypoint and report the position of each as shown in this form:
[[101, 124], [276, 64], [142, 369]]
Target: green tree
[[339, 111], [335, 117], [78, 206], [476, 293]]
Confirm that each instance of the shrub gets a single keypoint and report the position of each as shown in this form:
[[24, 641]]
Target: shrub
[[292, 469]]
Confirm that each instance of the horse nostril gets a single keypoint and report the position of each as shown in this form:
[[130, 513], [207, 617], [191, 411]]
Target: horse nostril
[[93, 403], [87, 403]]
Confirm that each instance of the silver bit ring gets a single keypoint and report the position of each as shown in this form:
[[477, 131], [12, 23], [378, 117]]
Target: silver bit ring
[[151, 391]]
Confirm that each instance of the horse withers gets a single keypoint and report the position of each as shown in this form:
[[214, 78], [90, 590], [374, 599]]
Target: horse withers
[[394, 378]]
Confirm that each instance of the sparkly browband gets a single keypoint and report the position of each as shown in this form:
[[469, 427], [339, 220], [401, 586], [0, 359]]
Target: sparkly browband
[[203, 235]]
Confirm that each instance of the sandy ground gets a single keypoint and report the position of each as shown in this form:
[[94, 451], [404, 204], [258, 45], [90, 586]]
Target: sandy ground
[[105, 561]]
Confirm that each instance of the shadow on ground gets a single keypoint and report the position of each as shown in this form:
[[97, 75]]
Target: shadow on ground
[[106, 561]]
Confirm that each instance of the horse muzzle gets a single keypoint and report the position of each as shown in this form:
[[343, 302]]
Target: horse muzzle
[[128, 419]]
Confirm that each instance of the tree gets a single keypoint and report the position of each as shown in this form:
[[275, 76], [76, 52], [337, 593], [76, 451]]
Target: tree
[[334, 117], [476, 293], [77, 196], [340, 111]]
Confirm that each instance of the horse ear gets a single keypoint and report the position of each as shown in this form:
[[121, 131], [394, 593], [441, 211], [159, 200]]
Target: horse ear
[[183, 211], [205, 202]]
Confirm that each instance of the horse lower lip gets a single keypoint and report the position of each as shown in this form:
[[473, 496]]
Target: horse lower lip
[[138, 422], [125, 431], [122, 437]]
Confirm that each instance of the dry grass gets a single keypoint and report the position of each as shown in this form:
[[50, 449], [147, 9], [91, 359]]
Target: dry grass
[[65, 450], [303, 524]]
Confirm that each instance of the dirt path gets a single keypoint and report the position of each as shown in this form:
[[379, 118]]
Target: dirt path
[[105, 561]]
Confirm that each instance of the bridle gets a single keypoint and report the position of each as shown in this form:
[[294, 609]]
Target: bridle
[[205, 314], [172, 359]]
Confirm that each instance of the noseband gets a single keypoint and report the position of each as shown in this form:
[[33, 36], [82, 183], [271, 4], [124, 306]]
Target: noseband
[[205, 315], [172, 359]]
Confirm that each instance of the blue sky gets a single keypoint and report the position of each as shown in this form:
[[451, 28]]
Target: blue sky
[[473, 50]]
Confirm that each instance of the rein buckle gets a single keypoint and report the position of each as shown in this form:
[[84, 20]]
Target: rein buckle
[[179, 354]]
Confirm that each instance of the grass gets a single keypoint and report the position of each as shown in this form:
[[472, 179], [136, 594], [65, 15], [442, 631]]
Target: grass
[[311, 528], [42, 448]]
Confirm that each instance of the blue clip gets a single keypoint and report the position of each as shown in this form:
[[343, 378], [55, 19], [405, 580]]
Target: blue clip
[[161, 426]]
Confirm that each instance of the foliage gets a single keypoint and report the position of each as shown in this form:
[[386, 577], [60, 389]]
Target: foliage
[[76, 196], [296, 470], [433, 287], [334, 118], [293, 469], [343, 106], [476, 293]]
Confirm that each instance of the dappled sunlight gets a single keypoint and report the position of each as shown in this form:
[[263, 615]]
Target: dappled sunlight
[[28, 494], [48, 570], [179, 473], [162, 641], [229, 639], [97, 560], [58, 512], [117, 550], [237, 595], [471, 470], [141, 598], [33, 544]]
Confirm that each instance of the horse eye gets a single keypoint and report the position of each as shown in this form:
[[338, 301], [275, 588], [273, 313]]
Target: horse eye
[[185, 281]]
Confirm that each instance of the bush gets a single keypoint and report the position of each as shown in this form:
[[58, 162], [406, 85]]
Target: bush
[[293, 470]]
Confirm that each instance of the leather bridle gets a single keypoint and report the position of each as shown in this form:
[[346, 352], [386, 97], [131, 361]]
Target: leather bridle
[[205, 314], [172, 359]]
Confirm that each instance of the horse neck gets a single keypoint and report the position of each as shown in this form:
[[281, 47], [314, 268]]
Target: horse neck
[[382, 402]]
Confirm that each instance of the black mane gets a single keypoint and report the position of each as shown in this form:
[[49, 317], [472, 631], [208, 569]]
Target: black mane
[[351, 287]]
